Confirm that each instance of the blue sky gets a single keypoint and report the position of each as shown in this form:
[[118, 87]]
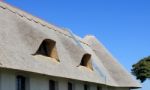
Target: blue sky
[[123, 26]]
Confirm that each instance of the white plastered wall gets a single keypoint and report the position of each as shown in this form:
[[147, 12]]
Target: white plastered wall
[[41, 82]]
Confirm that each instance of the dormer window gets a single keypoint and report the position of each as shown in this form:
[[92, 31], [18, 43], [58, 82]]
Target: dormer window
[[86, 61], [48, 49]]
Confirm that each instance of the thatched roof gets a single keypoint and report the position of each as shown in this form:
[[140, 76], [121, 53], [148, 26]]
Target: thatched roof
[[22, 34]]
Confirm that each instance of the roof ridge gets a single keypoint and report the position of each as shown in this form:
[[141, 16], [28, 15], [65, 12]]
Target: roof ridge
[[35, 19]]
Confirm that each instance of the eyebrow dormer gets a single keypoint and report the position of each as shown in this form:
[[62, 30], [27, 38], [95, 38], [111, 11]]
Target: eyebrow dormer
[[48, 49], [86, 61]]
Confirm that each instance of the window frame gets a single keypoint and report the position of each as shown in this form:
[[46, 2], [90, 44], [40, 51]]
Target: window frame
[[72, 85], [21, 82], [86, 87], [99, 88], [54, 85]]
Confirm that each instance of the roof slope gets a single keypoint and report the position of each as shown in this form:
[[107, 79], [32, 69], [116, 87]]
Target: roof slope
[[21, 35], [115, 69]]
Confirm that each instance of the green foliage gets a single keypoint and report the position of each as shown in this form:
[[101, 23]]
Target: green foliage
[[142, 69]]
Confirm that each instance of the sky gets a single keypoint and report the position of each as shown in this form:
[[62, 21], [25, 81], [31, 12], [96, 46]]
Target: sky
[[123, 26]]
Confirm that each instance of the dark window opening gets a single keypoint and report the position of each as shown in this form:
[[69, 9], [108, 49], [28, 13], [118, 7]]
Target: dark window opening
[[48, 48], [86, 61], [86, 87], [70, 86], [52, 85], [99, 88], [21, 83]]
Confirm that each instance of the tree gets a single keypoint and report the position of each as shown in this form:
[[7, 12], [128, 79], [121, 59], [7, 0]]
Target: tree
[[142, 69]]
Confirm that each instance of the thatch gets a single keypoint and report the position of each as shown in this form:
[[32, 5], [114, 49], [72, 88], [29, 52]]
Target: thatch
[[21, 35]]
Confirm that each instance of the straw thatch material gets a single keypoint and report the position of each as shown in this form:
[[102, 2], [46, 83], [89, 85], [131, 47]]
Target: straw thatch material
[[22, 34]]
